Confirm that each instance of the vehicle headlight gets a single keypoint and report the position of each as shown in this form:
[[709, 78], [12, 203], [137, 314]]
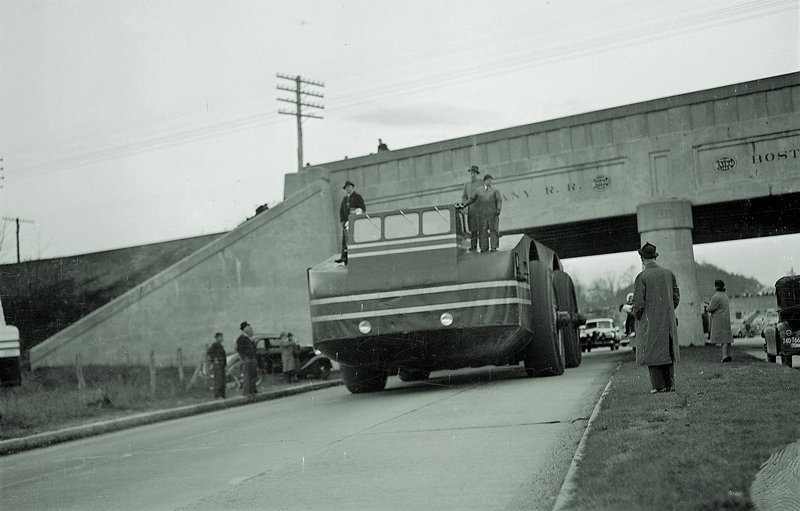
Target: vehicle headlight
[[364, 327], [446, 319], [317, 352]]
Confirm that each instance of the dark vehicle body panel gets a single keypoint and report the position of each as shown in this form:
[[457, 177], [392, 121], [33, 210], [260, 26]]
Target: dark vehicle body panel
[[403, 287]]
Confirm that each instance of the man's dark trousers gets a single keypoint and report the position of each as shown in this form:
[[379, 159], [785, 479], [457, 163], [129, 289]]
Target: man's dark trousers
[[250, 368], [219, 379]]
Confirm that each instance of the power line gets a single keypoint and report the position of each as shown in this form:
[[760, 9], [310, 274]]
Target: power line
[[300, 104]]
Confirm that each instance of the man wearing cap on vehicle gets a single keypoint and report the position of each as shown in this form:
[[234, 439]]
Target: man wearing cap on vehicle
[[246, 348], [655, 298], [489, 202], [351, 203], [471, 187]]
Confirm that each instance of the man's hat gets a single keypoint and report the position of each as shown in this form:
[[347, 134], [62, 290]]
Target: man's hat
[[487, 176], [283, 334], [474, 169], [243, 325], [648, 251], [348, 183]]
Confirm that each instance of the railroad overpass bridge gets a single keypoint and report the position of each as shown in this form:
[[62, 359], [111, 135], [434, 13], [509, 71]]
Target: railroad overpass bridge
[[713, 165]]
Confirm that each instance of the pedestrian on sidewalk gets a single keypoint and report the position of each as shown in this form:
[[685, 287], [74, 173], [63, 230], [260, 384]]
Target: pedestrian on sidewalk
[[217, 357], [246, 348], [720, 310], [287, 358], [655, 298]]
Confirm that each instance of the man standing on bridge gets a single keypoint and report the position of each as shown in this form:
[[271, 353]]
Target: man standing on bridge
[[655, 297], [351, 203], [472, 187]]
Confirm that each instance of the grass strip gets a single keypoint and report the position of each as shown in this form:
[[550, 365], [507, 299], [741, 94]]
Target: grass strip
[[697, 448]]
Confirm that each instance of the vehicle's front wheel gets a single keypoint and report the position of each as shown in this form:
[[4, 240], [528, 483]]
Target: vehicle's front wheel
[[544, 355], [567, 302], [361, 379], [771, 358]]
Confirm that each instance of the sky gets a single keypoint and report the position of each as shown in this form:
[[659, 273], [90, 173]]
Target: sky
[[125, 122]]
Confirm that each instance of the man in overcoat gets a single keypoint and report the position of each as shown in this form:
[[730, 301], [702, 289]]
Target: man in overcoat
[[655, 297], [489, 202], [216, 354], [351, 202], [246, 348], [472, 187], [720, 311]]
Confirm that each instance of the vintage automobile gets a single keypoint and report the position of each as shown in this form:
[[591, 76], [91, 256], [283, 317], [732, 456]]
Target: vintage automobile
[[313, 364], [412, 299], [10, 373], [600, 332], [783, 339]]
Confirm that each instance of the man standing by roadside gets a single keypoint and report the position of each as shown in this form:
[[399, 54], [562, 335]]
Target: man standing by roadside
[[216, 354], [489, 202], [472, 187], [246, 349], [351, 203], [720, 311], [655, 297]]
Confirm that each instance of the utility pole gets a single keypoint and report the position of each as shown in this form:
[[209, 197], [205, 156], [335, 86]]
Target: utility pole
[[299, 96], [18, 220]]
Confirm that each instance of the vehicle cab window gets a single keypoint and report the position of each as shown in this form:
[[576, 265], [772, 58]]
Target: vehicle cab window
[[403, 225], [435, 222], [366, 229]]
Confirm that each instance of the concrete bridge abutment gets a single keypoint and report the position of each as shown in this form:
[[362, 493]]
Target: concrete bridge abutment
[[668, 225]]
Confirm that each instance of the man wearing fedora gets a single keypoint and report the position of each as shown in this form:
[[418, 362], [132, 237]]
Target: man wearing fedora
[[246, 348], [351, 203], [472, 187], [655, 297], [489, 202]]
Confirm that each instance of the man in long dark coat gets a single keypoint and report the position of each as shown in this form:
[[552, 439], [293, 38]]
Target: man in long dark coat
[[216, 354], [246, 348], [655, 297], [472, 187], [351, 203], [489, 202]]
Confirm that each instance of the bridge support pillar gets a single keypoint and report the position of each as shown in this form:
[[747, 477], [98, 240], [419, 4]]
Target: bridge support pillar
[[668, 225]]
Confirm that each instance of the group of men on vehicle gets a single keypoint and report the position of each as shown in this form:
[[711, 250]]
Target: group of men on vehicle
[[481, 200]]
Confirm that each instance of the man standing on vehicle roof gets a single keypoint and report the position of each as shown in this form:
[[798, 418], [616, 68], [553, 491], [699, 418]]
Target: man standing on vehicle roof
[[351, 203], [489, 202], [246, 348], [655, 298], [471, 187]]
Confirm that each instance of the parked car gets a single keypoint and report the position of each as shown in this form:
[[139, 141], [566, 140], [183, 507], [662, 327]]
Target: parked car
[[782, 339], [741, 328], [600, 332], [313, 364]]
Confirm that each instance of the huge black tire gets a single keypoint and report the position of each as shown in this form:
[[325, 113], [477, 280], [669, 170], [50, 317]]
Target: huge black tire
[[361, 379], [567, 302], [786, 360], [544, 355]]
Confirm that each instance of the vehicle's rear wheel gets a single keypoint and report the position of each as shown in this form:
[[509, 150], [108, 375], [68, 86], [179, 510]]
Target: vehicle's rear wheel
[[361, 379], [786, 360], [565, 295], [413, 375], [771, 358], [544, 355]]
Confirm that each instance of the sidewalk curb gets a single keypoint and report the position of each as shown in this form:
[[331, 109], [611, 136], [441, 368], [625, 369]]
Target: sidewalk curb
[[570, 484], [98, 428]]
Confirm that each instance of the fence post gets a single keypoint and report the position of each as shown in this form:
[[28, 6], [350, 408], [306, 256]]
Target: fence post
[[197, 370], [152, 374], [180, 367], [79, 374]]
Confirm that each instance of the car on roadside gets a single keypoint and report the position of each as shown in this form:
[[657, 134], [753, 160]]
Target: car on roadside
[[312, 363], [600, 332]]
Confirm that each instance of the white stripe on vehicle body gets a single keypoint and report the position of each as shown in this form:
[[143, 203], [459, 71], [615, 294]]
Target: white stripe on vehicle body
[[422, 308], [421, 291], [374, 244], [353, 255]]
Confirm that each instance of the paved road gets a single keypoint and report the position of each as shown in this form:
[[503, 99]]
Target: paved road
[[475, 439]]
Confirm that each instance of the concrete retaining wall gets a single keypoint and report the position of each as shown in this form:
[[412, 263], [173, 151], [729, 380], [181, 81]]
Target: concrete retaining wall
[[255, 273]]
